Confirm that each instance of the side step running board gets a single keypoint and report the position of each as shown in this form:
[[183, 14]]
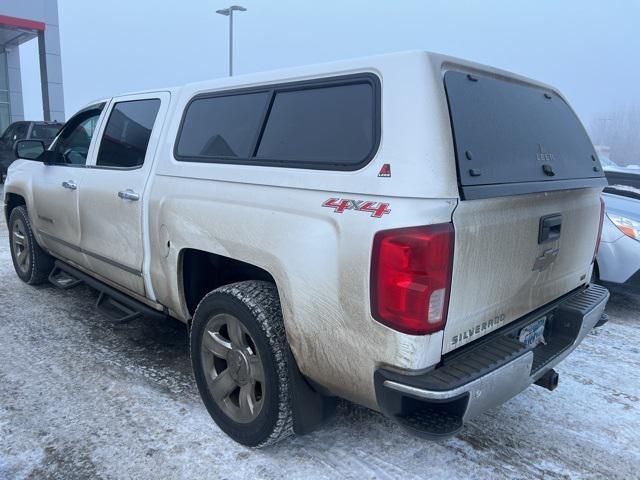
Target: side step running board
[[116, 305], [62, 279], [115, 310]]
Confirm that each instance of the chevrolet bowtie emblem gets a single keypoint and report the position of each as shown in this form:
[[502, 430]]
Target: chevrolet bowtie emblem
[[546, 259]]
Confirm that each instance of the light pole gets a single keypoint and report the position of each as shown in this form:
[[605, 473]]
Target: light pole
[[228, 12]]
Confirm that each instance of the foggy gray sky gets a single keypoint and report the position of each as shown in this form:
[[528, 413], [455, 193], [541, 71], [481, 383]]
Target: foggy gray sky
[[588, 49]]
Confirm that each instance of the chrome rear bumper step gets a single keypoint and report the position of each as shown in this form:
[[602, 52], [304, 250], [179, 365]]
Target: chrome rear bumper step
[[488, 371]]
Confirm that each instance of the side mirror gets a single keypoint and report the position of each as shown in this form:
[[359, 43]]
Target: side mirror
[[29, 149]]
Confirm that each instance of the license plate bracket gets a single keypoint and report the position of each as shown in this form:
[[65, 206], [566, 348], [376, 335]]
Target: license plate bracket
[[533, 334]]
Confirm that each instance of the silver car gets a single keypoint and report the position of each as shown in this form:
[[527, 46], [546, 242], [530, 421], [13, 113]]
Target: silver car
[[618, 259]]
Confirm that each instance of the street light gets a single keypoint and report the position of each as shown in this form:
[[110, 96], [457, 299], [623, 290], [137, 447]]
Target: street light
[[228, 12]]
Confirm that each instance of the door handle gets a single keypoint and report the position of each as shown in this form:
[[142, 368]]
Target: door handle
[[129, 194], [550, 228], [71, 185]]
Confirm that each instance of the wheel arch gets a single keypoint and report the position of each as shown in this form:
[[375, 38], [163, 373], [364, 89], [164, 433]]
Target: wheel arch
[[201, 272], [311, 403], [11, 201]]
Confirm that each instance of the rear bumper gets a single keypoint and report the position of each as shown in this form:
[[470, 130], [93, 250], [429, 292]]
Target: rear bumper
[[489, 371]]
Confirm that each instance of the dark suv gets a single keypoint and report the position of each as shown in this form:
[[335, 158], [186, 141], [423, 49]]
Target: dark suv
[[24, 130]]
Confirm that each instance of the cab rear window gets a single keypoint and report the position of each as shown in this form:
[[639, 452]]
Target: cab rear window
[[512, 138]]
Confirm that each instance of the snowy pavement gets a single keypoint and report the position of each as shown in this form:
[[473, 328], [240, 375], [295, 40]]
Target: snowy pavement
[[83, 398]]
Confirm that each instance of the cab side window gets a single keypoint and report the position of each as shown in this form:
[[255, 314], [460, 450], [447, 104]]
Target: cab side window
[[15, 131], [8, 133], [126, 136], [20, 132], [72, 145]]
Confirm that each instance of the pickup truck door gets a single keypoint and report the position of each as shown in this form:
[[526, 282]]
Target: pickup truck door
[[112, 199], [56, 186]]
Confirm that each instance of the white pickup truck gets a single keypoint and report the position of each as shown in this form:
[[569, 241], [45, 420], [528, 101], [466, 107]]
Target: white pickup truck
[[411, 232]]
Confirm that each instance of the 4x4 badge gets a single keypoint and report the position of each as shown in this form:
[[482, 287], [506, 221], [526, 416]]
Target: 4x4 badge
[[339, 205]]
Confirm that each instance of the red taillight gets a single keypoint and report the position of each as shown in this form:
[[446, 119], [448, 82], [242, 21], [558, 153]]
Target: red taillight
[[411, 278], [595, 252]]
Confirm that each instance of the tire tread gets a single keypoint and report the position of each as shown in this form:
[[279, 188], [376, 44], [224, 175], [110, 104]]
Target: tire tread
[[41, 261], [261, 298]]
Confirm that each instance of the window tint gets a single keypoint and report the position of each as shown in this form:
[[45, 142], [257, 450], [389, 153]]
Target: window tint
[[19, 131], [8, 132], [509, 133], [126, 136], [222, 126], [44, 132], [72, 145], [324, 124], [332, 125]]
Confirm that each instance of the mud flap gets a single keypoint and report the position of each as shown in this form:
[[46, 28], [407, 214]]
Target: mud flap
[[310, 408]]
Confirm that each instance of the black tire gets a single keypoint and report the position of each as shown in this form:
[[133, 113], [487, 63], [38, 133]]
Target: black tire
[[34, 265], [256, 306]]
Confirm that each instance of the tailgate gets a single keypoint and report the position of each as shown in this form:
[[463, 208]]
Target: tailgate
[[527, 223], [501, 272]]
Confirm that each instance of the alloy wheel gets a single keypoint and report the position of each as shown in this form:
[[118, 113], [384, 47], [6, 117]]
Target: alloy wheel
[[233, 368], [21, 246]]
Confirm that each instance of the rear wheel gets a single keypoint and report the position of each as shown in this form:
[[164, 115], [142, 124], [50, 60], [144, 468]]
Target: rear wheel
[[32, 263], [240, 361]]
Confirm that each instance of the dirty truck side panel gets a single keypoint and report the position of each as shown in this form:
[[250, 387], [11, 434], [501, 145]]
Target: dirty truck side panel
[[320, 259]]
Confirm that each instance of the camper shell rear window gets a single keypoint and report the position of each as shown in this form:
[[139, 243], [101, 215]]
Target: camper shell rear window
[[513, 138]]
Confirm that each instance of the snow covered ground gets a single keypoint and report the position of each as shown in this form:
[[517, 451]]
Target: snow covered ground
[[83, 398]]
